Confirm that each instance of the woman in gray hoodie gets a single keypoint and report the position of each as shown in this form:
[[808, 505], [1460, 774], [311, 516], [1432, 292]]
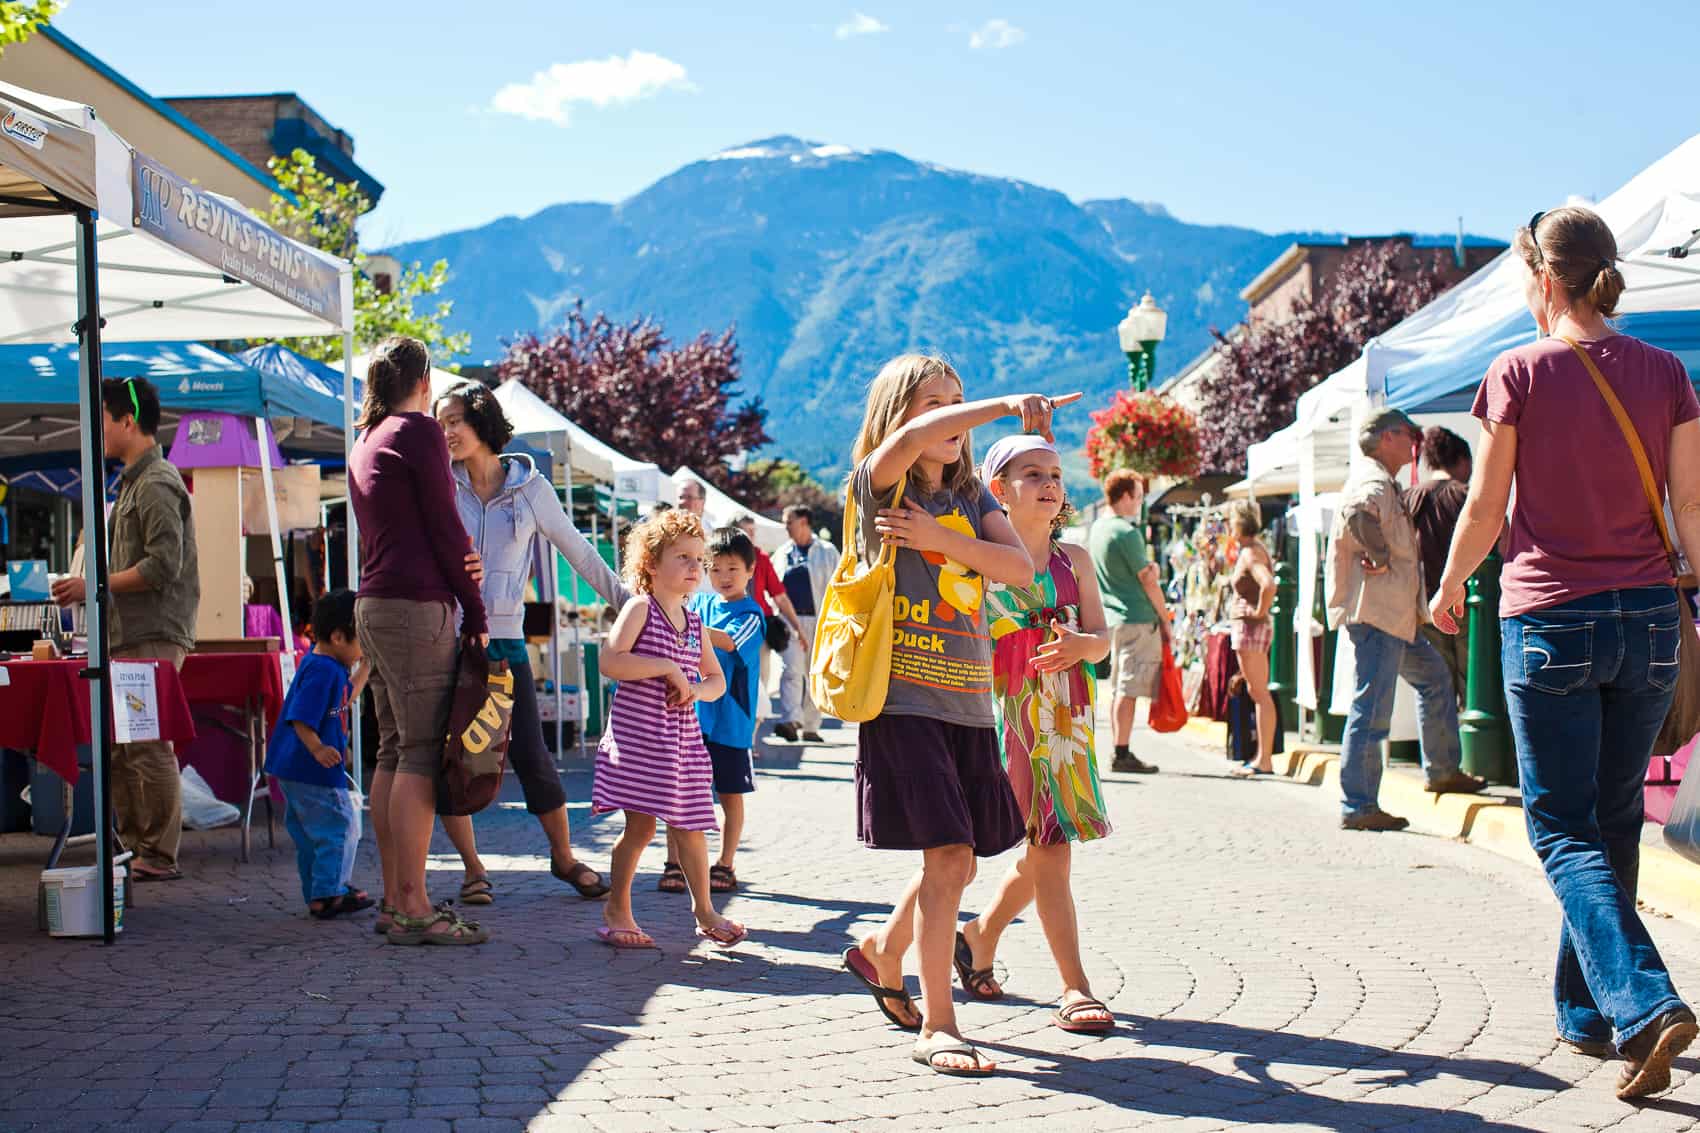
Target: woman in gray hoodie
[[507, 506]]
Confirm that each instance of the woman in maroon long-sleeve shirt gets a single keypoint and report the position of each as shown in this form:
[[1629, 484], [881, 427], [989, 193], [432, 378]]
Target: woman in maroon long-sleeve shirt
[[414, 572]]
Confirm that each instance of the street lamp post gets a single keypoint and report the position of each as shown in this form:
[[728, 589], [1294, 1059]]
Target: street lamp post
[[1140, 333]]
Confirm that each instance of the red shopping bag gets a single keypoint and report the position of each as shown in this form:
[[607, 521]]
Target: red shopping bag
[[1168, 711]]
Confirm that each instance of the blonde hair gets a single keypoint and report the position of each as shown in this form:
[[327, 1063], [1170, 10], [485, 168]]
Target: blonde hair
[[1578, 250], [649, 540], [890, 395], [1246, 518]]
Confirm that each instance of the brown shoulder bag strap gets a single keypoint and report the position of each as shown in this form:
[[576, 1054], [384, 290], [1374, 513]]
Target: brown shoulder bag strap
[[1649, 487]]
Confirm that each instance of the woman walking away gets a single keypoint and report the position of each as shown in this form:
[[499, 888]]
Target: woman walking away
[[1590, 619], [415, 568], [652, 762], [1252, 633], [1045, 639], [928, 774], [508, 508]]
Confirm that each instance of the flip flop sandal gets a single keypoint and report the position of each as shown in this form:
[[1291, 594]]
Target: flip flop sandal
[[624, 938], [155, 875], [726, 937], [859, 966], [1247, 771], [386, 918], [721, 879], [977, 982], [672, 879], [477, 891], [587, 881], [928, 1051], [417, 930], [1066, 1018]]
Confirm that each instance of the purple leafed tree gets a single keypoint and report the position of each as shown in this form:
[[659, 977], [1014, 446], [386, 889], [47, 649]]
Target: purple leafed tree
[[632, 387], [1256, 387]]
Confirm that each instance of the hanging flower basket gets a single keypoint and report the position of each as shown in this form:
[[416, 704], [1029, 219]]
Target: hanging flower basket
[[1146, 432]]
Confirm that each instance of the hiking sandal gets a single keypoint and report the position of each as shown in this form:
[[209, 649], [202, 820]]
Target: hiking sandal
[[386, 918], [417, 930], [477, 891], [978, 982], [672, 879], [721, 879], [588, 882]]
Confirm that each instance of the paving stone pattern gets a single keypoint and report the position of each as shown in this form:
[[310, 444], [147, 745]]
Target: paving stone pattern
[[1268, 970]]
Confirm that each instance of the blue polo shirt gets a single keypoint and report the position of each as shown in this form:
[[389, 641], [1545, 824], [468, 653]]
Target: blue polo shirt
[[731, 720], [318, 698]]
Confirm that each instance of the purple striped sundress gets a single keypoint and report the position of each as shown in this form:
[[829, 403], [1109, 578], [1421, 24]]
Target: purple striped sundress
[[651, 758]]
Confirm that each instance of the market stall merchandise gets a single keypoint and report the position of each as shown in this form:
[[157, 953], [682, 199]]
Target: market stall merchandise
[[102, 242]]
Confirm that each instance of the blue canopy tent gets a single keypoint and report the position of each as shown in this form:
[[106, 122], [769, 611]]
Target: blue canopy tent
[[1445, 381], [38, 392]]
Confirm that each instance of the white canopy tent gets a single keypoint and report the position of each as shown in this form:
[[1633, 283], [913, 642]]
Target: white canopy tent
[[721, 509], [146, 256]]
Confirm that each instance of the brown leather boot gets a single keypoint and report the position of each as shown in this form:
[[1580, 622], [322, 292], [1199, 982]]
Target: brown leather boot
[[1647, 1056]]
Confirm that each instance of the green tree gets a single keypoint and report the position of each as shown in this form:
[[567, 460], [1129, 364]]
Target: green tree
[[20, 19], [317, 209], [785, 482]]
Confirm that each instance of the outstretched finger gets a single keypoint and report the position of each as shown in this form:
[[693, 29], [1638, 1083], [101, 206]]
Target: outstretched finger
[[1066, 399]]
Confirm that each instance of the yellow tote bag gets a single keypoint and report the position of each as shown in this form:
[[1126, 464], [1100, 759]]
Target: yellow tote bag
[[851, 663]]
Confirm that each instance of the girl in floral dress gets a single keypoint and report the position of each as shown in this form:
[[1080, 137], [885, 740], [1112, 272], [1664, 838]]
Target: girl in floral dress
[[1046, 637]]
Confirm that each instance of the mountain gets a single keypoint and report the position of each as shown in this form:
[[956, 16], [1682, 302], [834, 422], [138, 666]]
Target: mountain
[[830, 260]]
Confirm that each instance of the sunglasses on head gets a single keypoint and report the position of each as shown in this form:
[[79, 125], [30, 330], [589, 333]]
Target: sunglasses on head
[[1534, 222]]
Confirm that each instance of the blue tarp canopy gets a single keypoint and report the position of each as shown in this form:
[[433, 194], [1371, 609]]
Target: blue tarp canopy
[[1446, 380], [38, 391]]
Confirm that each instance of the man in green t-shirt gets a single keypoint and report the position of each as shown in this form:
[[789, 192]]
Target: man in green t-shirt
[[1133, 607]]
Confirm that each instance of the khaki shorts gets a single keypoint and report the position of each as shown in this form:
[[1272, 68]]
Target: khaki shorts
[[413, 649], [1136, 659]]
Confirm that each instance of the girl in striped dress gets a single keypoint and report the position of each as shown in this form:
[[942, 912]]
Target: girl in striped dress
[[652, 763]]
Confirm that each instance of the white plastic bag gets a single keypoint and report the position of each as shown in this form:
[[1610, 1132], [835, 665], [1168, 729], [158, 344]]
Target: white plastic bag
[[203, 810], [1682, 829]]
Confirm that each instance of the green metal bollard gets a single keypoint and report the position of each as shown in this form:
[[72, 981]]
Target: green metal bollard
[[1283, 656], [1483, 731], [1329, 728]]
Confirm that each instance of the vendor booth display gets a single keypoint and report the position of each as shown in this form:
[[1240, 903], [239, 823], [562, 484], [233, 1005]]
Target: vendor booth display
[[104, 243]]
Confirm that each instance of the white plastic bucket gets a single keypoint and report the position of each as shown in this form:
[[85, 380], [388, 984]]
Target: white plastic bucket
[[72, 900]]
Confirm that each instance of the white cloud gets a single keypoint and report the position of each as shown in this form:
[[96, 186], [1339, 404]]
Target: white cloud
[[859, 24], [550, 95], [996, 34]]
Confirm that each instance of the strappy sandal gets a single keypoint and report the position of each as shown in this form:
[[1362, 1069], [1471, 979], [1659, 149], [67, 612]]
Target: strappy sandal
[[340, 905], [587, 881], [721, 879], [477, 891], [1066, 1017], [672, 879], [859, 966], [978, 982], [386, 918], [417, 930], [928, 1051]]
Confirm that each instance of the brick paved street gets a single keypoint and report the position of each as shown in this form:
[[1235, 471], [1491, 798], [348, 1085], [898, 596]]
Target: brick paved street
[[1268, 969]]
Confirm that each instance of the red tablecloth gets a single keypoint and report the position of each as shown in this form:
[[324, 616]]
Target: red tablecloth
[[44, 708], [233, 678]]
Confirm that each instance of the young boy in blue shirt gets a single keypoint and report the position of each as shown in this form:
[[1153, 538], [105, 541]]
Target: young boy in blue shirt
[[307, 753], [736, 627]]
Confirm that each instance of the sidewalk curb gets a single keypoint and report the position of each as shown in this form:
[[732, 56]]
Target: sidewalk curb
[[1669, 884]]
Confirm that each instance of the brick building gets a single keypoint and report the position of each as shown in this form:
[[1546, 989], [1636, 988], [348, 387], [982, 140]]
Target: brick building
[[1305, 268], [263, 126]]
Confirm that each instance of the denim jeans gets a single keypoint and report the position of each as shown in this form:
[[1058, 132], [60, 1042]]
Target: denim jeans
[[325, 825], [1587, 686], [1379, 660]]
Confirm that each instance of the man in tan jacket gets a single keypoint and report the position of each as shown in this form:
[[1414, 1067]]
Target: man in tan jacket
[[1375, 590]]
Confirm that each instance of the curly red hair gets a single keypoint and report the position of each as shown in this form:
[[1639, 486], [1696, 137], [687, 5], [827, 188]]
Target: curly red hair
[[646, 543]]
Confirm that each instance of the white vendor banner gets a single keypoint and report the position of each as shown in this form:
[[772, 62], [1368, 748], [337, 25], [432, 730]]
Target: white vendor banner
[[135, 702]]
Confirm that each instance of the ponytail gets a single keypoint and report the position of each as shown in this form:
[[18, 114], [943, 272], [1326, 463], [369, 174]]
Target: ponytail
[[395, 370], [1607, 288]]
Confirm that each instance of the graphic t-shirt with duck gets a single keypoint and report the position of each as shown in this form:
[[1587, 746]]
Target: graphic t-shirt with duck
[[941, 657]]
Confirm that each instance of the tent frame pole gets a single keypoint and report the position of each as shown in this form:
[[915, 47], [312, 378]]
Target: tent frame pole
[[352, 536], [98, 670]]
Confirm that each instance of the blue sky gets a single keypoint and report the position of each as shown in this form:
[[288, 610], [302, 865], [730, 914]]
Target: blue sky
[[1361, 116]]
